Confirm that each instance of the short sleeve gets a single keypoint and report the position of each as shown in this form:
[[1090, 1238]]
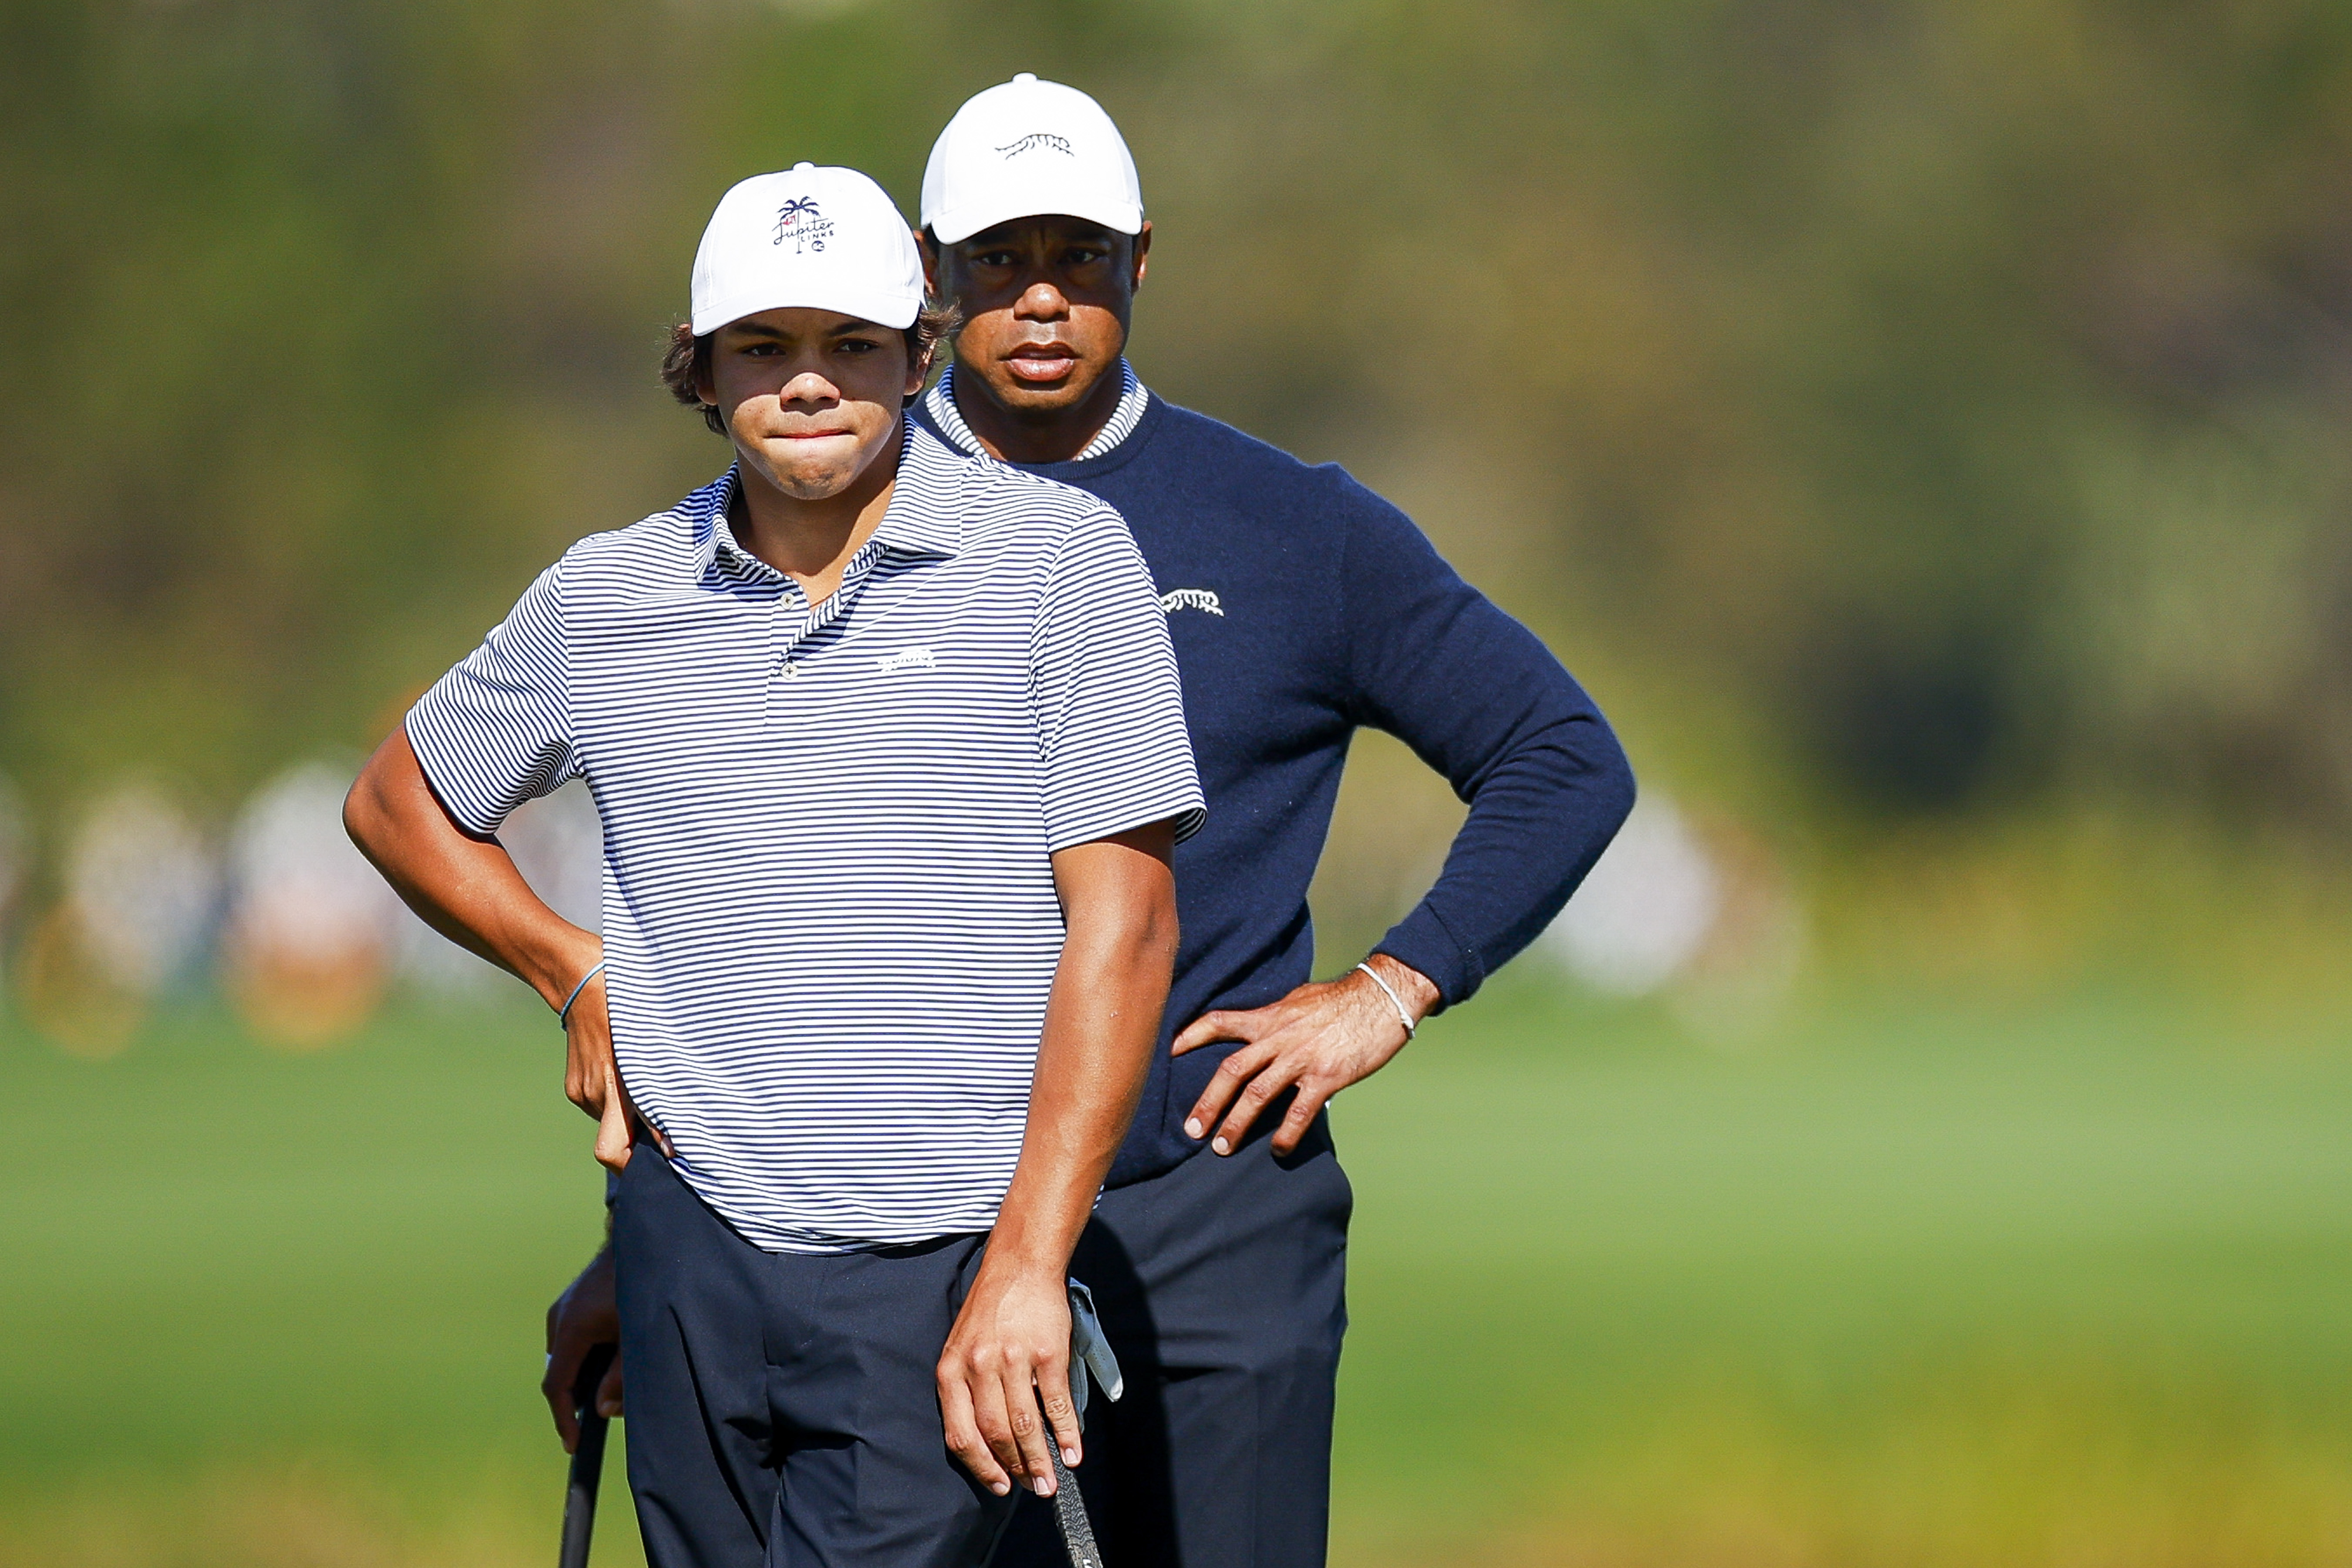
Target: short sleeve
[[497, 730], [1110, 712]]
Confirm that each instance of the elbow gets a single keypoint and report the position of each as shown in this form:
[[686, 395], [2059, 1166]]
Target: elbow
[[1159, 934], [1142, 937], [363, 815], [371, 807], [1619, 789]]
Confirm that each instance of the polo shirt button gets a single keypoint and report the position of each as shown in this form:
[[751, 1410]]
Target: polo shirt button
[[792, 671]]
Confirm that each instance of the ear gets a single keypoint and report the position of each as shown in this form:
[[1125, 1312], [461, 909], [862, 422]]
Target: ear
[[931, 262], [1142, 252]]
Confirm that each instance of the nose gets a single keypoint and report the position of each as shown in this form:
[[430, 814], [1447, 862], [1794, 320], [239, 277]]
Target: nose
[[809, 388], [1041, 302]]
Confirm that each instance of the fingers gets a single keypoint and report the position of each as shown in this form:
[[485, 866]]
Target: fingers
[[612, 1130], [563, 1367], [615, 1114], [961, 1425], [1263, 1086], [990, 1414], [1022, 1381], [1210, 1027], [1061, 1412], [1311, 1098], [1231, 1073], [608, 1393], [994, 1426], [632, 1116], [578, 1081], [588, 1050]]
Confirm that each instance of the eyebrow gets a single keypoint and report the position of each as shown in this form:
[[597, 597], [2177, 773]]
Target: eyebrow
[[980, 245], [841, 328]]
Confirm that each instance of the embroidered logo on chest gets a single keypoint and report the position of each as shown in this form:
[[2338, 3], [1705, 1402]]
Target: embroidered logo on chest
[[908, 659], [1191, 599]]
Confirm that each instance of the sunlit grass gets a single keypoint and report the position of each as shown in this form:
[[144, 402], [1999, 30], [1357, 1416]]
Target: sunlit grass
[[1893, 1282]]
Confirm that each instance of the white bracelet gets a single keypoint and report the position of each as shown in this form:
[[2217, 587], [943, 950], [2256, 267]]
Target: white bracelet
[[1394, 1000], [563, 1014]]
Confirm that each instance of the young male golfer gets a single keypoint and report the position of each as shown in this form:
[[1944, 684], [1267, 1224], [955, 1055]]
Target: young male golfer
[[1303, 607], [890, 756]]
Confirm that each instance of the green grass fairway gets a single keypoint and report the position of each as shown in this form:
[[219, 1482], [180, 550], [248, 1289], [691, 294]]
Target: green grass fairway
[[1907, 1284]]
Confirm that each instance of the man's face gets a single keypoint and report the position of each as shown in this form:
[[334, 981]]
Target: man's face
[[1046, 302], [811, 397]]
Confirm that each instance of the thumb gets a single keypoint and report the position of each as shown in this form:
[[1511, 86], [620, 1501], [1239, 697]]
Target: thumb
[[608, 1393]]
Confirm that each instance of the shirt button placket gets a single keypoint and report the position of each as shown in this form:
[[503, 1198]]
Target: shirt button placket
[[792, 620]]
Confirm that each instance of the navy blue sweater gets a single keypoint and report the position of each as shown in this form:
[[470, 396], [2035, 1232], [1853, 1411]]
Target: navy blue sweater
[[1304, 607]]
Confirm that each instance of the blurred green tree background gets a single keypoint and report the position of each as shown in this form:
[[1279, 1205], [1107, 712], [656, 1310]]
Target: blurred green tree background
[[1921, 422], [1938, 404]]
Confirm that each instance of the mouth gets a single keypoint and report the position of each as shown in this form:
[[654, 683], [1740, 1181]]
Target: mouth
[[1041, 362], [812, 435]]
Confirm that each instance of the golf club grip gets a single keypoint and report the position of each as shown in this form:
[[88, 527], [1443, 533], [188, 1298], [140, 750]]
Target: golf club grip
[[587, 1460], [1070, 1513], [1070, 1506]]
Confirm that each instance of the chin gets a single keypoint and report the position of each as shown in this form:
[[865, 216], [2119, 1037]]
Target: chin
[[812, 475], [814, 482], [1043, 396]]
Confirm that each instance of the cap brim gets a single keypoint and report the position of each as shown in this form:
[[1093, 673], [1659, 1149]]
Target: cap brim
[[897, 311], [960, 224]]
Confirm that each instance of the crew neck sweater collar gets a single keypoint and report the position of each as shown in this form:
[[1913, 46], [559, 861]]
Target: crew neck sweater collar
[[940, 405]]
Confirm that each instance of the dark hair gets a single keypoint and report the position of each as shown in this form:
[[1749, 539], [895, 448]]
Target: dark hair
[[688, 359]]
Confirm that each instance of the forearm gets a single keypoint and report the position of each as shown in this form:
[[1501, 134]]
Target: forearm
[[1479, 697], [465, 888], [1540, 814], [1102, 1024]]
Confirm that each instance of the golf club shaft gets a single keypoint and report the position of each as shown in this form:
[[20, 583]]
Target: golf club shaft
[[587, 1460]]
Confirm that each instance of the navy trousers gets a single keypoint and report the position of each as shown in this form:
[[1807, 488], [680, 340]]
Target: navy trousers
[[783, 1409], [1221, 1286]]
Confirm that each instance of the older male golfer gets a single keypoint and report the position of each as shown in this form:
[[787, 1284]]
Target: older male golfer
[[889, 750], [1302, 607]]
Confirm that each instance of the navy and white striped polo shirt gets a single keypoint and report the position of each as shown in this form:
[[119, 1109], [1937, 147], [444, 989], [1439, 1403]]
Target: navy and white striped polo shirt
[[829, 912]]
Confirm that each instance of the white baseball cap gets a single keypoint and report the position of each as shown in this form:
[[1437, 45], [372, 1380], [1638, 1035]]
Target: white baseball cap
[[1025, 148], [827, 238]]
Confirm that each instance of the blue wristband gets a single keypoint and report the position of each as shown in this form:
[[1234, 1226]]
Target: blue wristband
[[563, 1014]]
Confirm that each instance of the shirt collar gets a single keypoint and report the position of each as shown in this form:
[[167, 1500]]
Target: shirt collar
[[924, 517], [940, 404]]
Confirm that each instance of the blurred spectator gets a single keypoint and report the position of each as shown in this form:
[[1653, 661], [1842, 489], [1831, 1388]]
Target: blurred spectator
[[312, 928], [142, 888], [1646, 911]]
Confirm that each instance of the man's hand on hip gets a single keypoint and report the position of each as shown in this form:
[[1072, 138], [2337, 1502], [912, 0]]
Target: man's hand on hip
[[1318, 1039]]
